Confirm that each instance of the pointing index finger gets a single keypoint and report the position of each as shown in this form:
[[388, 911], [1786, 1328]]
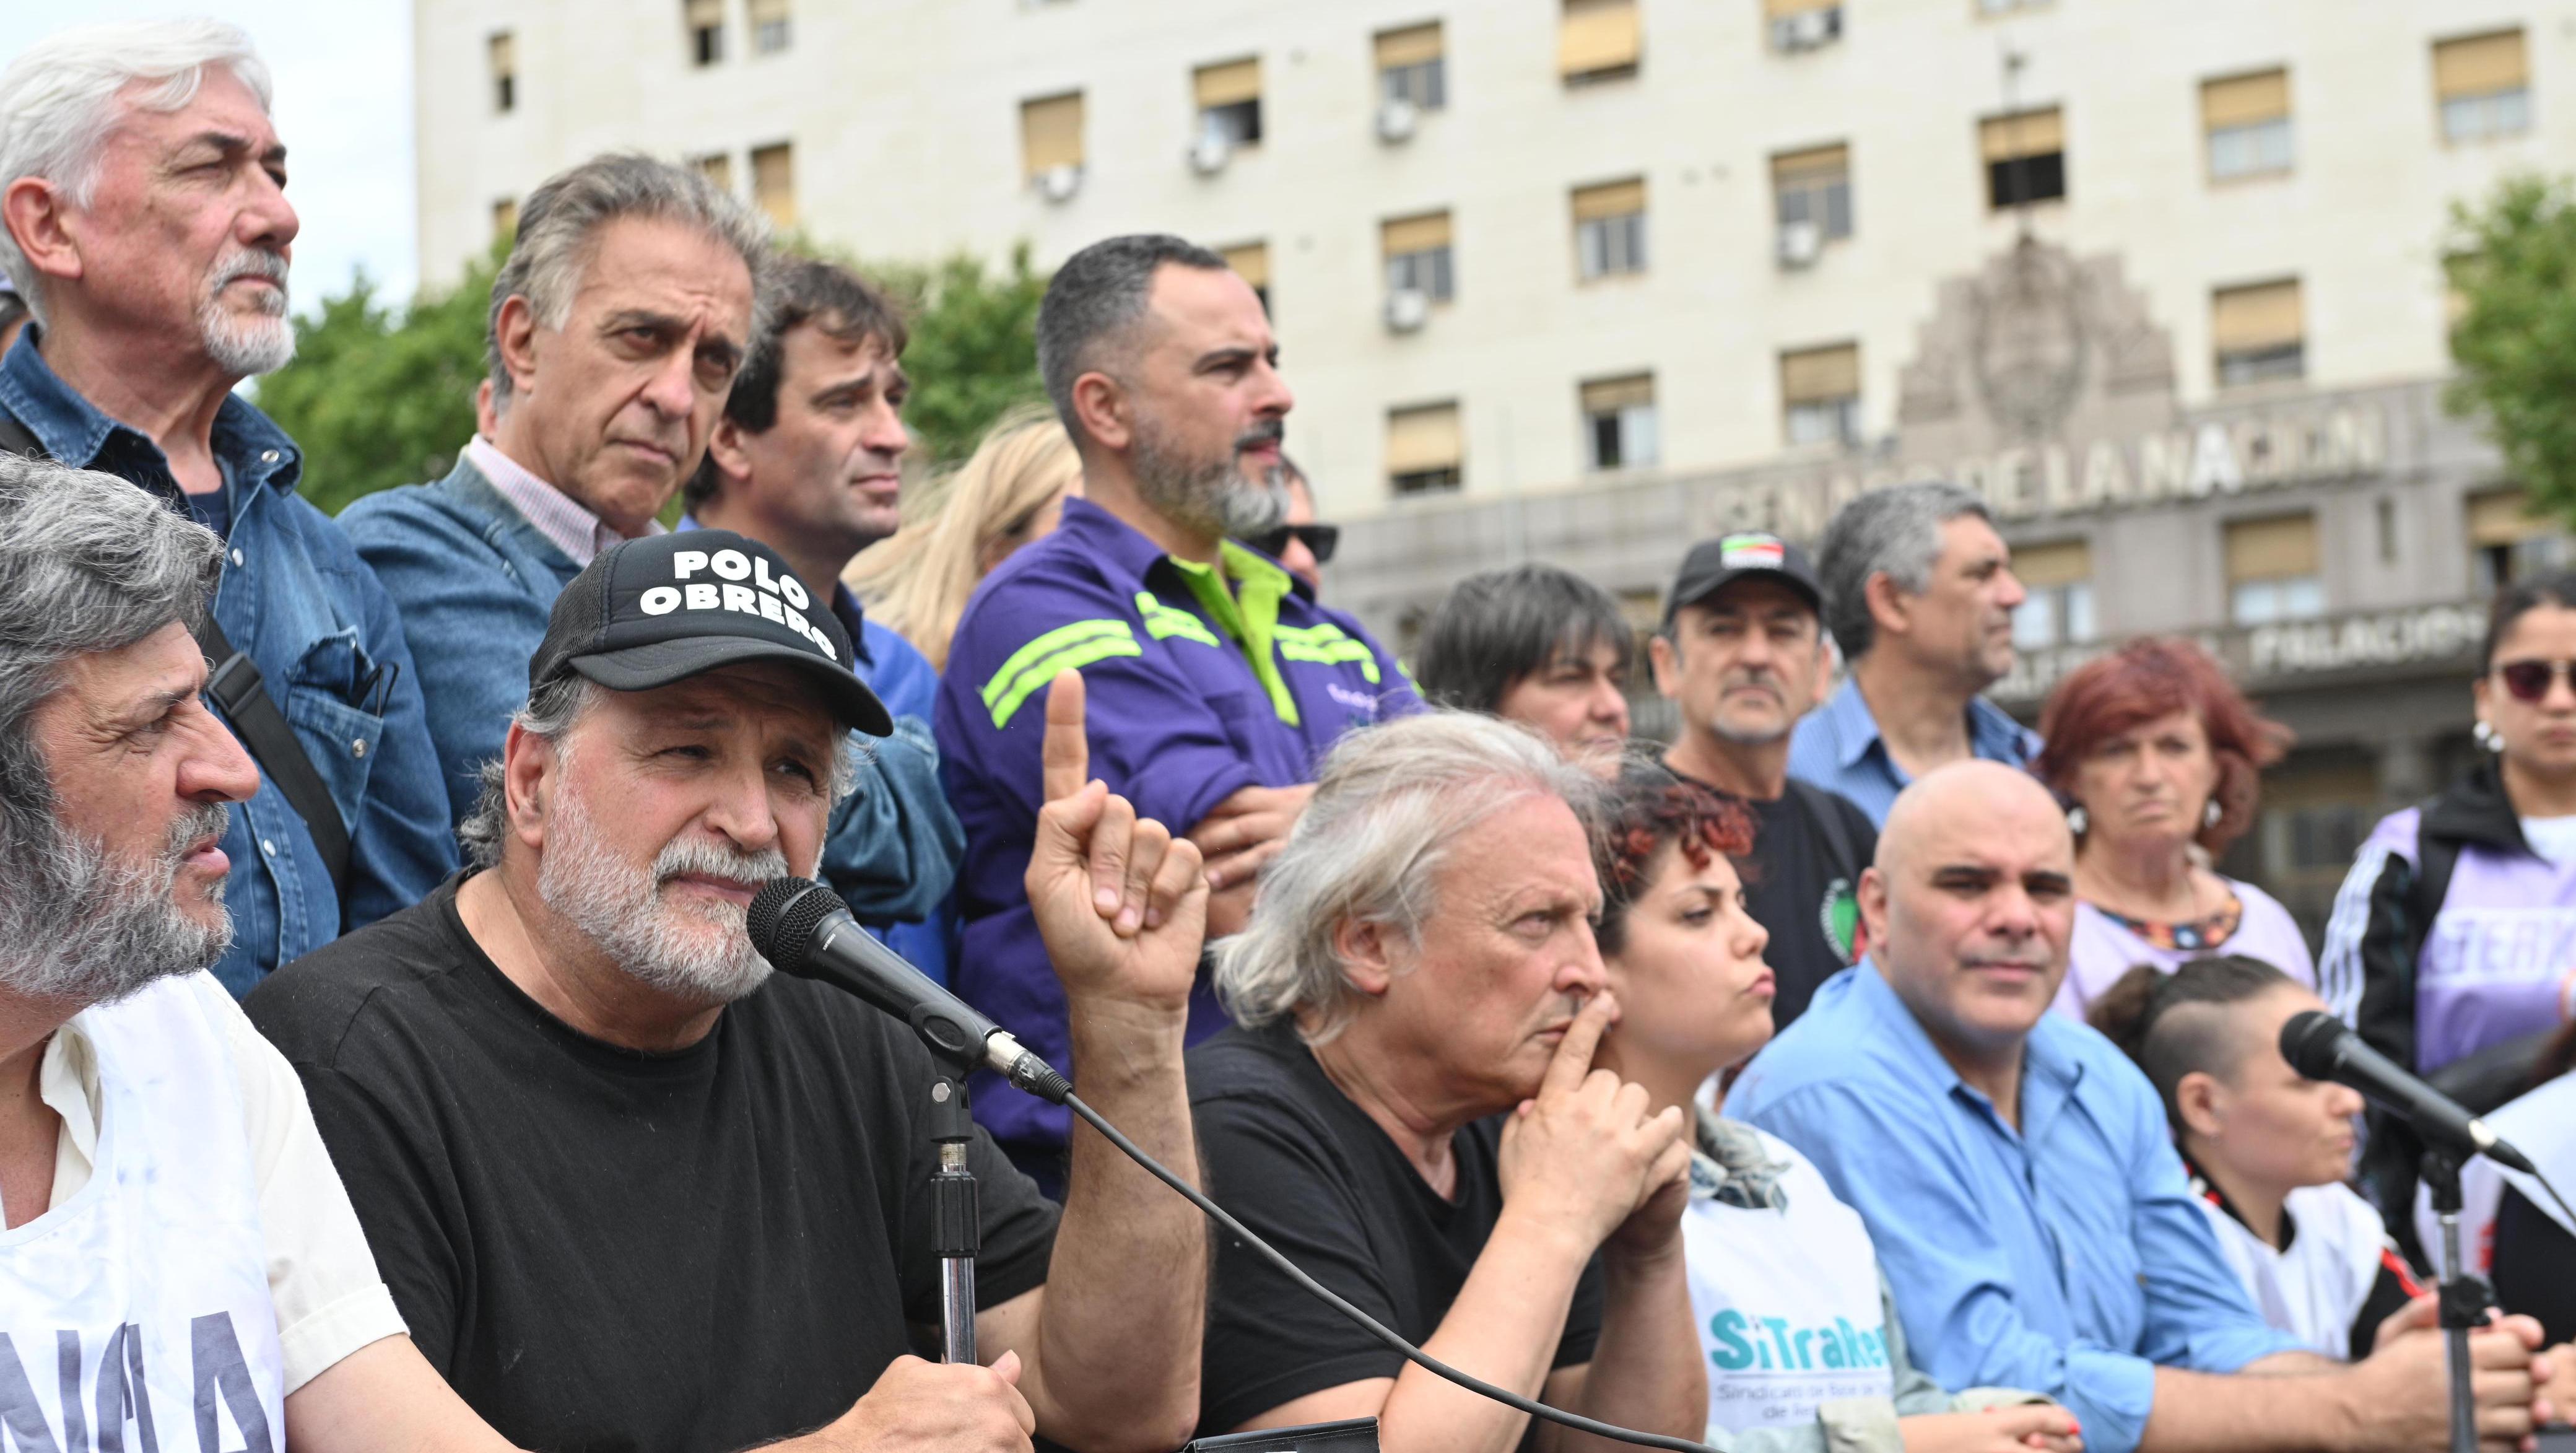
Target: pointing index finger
[[1067, 751], [1573, 1061]]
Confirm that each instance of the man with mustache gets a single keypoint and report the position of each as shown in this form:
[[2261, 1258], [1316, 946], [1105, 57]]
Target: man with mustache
[[1216, 680], [173, 1238], [1742, 654], [631, 1190], [2020, 1184], [1919, 593], [143, 216]]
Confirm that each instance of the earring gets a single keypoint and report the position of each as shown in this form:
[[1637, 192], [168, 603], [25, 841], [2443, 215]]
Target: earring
[[2487, 736], [2076, 821], [2210, 815]]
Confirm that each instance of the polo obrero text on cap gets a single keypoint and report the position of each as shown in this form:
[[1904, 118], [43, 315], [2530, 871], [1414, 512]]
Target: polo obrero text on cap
[[773, 597]]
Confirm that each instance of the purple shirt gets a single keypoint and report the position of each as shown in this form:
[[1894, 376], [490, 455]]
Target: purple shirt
[[2104, 948]]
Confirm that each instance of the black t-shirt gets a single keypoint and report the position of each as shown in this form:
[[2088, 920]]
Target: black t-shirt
[[1313, 1175], [606, 1249], [1802, 890]]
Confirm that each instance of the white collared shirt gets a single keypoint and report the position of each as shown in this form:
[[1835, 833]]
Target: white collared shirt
[[559, 517]]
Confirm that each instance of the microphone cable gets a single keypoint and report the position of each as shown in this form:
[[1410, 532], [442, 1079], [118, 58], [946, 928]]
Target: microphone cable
[[1363, 1320]]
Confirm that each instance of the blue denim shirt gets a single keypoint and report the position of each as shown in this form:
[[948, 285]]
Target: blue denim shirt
[[2067, 1256], [326, 638], [476, 583], [1837, 747]]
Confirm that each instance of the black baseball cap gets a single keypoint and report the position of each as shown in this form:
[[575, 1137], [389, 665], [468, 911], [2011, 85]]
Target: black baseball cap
[[665, 608], [1712, 565]]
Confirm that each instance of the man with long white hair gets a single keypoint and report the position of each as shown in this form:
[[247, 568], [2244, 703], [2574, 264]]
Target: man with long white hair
[[173, 1237], [143, 216]]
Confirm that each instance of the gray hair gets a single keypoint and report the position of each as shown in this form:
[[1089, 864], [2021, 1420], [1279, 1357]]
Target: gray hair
[[1095, 300], [560, 222], [549, 714], [1390, 804], [58, 104], [1894, 531]]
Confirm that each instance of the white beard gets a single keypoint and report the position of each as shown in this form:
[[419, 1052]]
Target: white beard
[[698, 951]]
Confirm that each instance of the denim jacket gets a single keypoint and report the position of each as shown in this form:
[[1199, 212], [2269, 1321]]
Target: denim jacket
[[326, 638], [477, 581]]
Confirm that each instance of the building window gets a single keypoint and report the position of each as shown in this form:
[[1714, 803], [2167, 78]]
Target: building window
[[1798, 25], [1411, 66], [771, 30], [773, 183], [717, 167], [1811, 195], [2025, 157], [1229, 97], [2057, 609], [1820, 395], [2483, 83], [2507, 543], [1425, 453], [1051, 136], [1610, 228], [705, 20], [2272, 572], [505, 219], [2259, 333], [1619, 422], [1417, 255], [2007, 7], [1251, 262], [2247, 120], [1599, 40], [503, 51]]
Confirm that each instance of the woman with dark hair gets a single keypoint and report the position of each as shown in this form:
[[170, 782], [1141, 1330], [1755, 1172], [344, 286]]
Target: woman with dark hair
[[2160, 757], [1540, 646], [1804, 1350], [2511, 1231], [2267, 1148]]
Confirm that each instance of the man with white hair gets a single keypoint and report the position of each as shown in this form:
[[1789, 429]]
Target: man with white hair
[[631, 1190], [176, 1240], [1407, 1107], [143, 215]]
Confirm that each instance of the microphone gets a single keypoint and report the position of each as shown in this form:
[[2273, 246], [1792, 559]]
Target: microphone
[[804, 929], [2319, 1046]]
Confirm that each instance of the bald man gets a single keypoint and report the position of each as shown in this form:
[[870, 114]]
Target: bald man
[[2019, 1181]]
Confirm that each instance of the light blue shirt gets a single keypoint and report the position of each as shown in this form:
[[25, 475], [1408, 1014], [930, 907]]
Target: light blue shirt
[[1837, 747], [2067, 1257]]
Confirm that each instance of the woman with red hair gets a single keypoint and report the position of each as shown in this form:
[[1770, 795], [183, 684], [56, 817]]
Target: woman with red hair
[[2160, 756]]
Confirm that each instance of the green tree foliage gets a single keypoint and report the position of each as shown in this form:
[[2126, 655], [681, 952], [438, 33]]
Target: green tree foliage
[[2512, 264], [377, 397]]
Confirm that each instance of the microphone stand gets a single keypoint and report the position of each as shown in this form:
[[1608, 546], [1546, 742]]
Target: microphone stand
[[2466, 1298], [958, 1223]]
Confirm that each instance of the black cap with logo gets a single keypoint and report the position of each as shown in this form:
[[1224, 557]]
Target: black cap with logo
[[661, 609], [1712, 565]]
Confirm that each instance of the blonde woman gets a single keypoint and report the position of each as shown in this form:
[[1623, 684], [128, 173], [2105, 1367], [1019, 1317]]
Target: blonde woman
[[1011, 492]]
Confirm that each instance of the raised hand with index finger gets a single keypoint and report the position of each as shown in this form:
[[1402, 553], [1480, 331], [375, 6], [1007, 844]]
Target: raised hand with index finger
[[1120, 903]]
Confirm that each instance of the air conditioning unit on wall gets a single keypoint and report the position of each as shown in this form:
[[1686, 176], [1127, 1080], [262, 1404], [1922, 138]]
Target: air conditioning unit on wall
[[1396, 120], [1407, 309], [1059, 183], [1801, 243], [1208, 155]]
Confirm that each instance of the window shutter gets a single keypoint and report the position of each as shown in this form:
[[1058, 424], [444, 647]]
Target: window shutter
[[1598, 35], [773, 182], [768, 12], [1423, 439], [2024, 133], [2058, 562], [505, 54], [2498, 517], [1400, 235], [1410, 46], [2250, 319], [1812, 167], [717, 169], [1610, 199], [2480, 65], [1783, 9], [2281, 548], [1050, 133], [2245, 100], [1820, 375], [705, 14], [1610, 395], [505, 217], [1251, 262], [1226, 84]]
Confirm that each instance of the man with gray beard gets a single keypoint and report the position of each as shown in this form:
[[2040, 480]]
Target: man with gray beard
[[1216, 679], [632, 1191], [176, 1239], [144, 219]]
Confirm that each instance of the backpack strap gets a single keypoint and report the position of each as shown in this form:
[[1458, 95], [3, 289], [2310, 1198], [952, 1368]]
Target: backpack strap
[[17, 438]]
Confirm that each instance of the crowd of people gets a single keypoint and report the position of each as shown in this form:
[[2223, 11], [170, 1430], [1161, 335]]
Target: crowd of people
[[384, 1060]]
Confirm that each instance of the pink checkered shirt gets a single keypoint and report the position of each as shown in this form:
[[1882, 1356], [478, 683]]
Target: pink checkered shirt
[[558, 516]]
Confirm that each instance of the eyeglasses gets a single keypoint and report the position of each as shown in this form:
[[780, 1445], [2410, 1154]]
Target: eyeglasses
[[1319, 540], [2529, 681]]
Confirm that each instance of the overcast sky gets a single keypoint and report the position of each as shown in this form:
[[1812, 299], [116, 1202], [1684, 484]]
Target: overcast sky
[[343, 75]]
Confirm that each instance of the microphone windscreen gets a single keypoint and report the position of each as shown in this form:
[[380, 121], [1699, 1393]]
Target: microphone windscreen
[[2308, 1042], [782, 919]]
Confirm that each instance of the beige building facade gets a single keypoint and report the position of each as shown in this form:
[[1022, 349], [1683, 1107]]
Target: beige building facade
[[1580, 280]]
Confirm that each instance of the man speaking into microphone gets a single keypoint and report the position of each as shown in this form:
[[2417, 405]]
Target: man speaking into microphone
[[630, 1189]]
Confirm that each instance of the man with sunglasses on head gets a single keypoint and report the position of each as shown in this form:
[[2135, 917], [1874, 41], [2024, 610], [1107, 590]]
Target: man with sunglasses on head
[[1301, 544]]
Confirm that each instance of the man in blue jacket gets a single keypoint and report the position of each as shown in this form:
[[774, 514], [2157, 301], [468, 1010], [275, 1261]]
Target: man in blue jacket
[[156, 287], [618, 323]]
